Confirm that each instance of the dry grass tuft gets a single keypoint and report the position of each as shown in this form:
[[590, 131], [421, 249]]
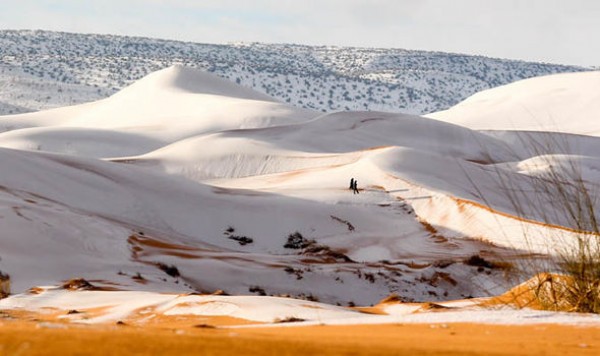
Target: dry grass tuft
[[392, 298], [556, 194], [78, 284], [4, 285], [545, 291]]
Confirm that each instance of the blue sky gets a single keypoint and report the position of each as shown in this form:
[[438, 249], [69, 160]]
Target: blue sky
[[557, 31]]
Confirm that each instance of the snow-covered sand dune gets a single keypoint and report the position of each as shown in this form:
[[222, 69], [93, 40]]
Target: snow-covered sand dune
[[164, 107], [185, 182], [147, 308], [560, 103]]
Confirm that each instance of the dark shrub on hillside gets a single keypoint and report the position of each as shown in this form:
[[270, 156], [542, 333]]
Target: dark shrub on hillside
[[296, 241], [170, 270], [478, 261]]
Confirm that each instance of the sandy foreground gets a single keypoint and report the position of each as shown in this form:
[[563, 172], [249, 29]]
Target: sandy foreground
[[53, 321], [36, 337]]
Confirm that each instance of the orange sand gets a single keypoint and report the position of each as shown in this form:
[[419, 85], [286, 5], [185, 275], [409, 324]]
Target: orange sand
[[35, 338]]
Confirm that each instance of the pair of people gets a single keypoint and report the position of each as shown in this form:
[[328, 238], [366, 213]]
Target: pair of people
[[354, 186]]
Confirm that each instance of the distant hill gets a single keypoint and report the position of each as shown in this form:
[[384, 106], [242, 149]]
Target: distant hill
[[42, 69]]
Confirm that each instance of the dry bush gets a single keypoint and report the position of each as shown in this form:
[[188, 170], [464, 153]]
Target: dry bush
[[4, 285], [558, 197], [78, 284], [392, 298], [171, 270]]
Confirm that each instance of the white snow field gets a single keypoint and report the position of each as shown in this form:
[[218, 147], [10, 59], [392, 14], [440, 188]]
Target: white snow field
[[557, 103], [184, 182], [143, 308]]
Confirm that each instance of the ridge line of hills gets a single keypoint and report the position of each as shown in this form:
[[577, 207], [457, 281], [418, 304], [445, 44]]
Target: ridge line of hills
[[43, 69]]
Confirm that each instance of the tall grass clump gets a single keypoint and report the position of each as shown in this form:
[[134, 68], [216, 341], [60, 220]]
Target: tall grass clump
[[555, 196], [4, 285]]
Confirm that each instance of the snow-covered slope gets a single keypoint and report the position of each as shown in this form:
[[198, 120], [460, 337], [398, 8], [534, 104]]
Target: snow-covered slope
[[42, 70], [166, 106], [561, 102], [184, 182], [144, 309]]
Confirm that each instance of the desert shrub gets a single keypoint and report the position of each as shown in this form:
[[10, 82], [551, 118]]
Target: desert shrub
[[4, 285], [258, 290], [171, 270], [326, 252], [481, 263], [558, 196], [478, 261], [297, 272], [138, 277], [370, 277], [392, 298], [311, 248], [78, 284], [310, 297], [296, 241], [242, 240], [443, 263]]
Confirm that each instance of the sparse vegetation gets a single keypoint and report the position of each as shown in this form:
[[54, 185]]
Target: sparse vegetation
[[171, 270], [67, 69], [478, 261], [4, 285], [369, 277], [78, 284], [310, 297], [392, 298], [297, 272], [219, 292], [242, 240], [326, 253], [570, 278], [139, 278], [258, 290], [346, 222], [296, 241], [311, 248], [443, 263]]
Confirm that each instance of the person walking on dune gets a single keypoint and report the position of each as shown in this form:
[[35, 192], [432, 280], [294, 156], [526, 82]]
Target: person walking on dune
[[351, 183], [355, 187]]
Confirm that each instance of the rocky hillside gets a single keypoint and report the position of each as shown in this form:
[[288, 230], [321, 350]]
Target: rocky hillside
[[41, 69]]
